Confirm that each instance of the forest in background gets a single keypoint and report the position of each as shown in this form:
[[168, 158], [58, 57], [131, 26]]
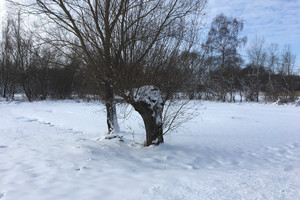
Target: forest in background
[[216, 70]]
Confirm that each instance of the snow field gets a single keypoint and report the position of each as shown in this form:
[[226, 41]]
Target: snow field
[[55, 150]]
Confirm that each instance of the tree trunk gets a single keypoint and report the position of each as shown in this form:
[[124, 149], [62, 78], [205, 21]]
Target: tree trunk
[[115, 117], [241, 96], [152, 120], [111, 111]]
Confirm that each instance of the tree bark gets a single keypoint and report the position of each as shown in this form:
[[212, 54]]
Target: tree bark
[[111, 111], [152, 120]]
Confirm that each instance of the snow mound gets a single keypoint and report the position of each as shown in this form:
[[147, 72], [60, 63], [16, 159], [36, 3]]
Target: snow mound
[[148, 94]]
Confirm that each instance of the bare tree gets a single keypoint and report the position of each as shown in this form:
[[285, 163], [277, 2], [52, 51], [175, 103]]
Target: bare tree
[[23, 56], [257, 52], [223, 41], [288, 60], [130, 38], [151, 67], [272, 63], [23, 65], [92, 23], [257, 56], [7, 79], [17, 55]]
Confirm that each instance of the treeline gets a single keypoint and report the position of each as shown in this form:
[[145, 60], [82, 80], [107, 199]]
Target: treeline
[[38, 71], [265, 71], [217, 71], [267, 76]]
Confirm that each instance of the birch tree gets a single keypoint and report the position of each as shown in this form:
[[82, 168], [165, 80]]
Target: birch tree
[[224, 39]]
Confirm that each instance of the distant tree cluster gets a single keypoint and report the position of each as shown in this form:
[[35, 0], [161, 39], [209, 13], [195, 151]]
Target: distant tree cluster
[[38, 71], [222, 73]]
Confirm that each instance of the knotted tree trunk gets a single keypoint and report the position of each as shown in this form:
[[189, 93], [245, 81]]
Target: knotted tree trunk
[[149, 104]]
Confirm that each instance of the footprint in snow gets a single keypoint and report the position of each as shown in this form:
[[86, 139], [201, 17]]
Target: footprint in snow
[[288, 168], [48, 124], [1, 195], [31, 120], [80, 169], [2, 147]]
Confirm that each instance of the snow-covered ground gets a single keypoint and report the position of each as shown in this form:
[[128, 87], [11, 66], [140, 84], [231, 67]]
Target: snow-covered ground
[[51, 150]]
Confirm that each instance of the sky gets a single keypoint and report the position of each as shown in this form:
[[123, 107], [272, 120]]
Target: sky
[[278, 21]]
